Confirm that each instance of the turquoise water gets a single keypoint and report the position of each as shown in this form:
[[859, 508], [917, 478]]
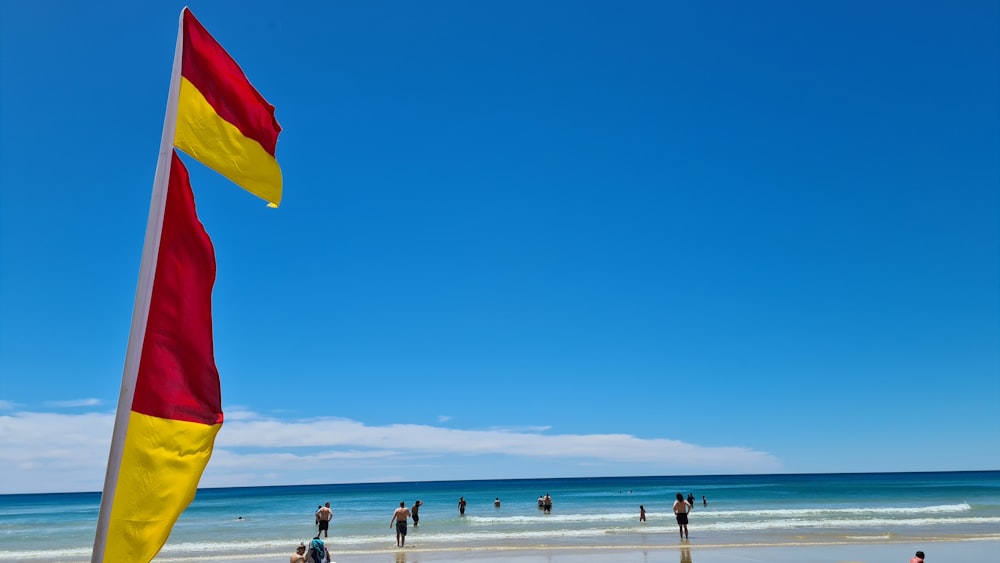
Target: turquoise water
[[741, 509]]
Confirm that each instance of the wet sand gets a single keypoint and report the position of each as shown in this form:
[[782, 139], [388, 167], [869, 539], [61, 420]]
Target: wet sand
[[960, 551]]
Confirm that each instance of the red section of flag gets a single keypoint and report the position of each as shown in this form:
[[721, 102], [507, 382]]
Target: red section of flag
[[210, 69], [177, 377]]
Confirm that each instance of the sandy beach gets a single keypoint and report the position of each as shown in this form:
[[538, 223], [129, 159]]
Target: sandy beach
[[959, 551]]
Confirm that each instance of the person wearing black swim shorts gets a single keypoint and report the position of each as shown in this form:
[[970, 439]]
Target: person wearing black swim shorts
[[681, 509], [399, 518], [323, 517]]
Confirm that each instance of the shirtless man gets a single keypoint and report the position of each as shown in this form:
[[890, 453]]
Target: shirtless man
[[681, 509], [323, 517], [300, 554], [399, 517]]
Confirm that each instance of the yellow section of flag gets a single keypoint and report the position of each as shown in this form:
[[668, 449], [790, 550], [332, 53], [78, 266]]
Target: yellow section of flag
[[218, 144], [161, 465]]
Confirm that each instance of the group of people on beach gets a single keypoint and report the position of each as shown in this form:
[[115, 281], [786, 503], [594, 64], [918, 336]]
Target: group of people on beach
[[316, 551]]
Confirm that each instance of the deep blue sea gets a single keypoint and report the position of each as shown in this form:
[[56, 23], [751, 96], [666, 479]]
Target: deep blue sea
[[741, 509]]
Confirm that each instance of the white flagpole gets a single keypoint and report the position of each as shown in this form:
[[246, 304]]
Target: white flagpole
[[143, 295]]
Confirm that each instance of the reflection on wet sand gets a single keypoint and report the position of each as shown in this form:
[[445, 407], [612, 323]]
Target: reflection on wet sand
[[685, 555]]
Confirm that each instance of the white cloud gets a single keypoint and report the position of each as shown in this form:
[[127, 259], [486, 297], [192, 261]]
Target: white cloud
[[74, 403], [6, 405], [49, 452]]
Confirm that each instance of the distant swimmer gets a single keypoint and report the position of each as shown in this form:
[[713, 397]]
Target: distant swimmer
[[399, 517], [642, 513], [691, 499], [541, 501], [704, 501], [496, 502], [681, 509], [547, 505], [461, 505]]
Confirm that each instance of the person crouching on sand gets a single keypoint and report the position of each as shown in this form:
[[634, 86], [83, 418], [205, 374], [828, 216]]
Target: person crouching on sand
[[300, 554]]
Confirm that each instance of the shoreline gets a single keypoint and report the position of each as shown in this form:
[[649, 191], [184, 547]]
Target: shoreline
[[816, 551], [807, 550]]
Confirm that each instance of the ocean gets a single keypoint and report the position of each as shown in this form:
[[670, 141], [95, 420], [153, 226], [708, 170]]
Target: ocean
[[267, 522]]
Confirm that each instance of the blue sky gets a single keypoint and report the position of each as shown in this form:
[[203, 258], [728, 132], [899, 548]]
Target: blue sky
[[525, 239]]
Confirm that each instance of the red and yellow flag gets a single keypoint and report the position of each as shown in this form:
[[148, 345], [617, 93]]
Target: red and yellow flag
[[171, 421], [222, 121], [177, 408]]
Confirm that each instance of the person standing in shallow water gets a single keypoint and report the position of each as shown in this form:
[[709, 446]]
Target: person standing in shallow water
[[461, 505], [415, 512], [681, 509], [642, 513], [323, 517], [399, 517]]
